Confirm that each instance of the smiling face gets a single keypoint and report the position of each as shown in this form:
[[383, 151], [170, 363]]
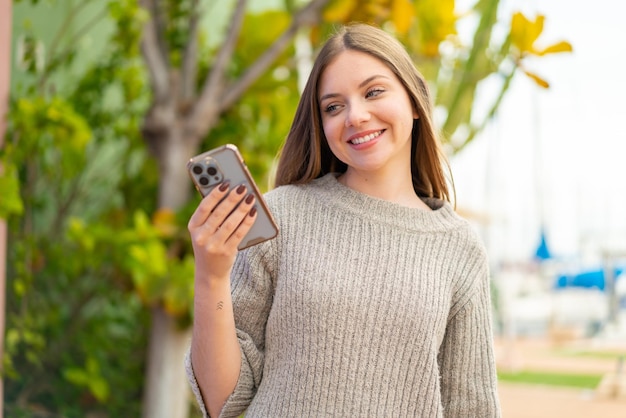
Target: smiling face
[[367, 115]]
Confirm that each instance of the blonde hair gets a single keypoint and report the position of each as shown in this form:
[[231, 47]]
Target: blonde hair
[[305, 155]]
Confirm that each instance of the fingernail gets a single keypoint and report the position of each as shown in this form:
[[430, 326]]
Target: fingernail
[[249, 198], [253, 211], [241, 189], [224, 186]]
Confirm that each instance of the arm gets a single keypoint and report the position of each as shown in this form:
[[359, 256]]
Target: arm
[[216, 230], [466, 358], [252, 295], [215, 353]]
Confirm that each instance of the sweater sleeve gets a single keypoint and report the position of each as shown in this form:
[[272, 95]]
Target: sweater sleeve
[[466, 358], [252, 294]]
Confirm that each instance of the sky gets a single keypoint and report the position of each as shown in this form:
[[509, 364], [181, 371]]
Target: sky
[[555, 159]]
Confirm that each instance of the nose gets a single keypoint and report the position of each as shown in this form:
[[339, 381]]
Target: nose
[[357, 114]]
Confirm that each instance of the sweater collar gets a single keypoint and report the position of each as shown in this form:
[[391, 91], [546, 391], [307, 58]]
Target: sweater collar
[[441, 218]]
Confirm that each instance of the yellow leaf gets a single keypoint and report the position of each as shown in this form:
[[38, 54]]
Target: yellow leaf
[[164, 221], [540, 81], [402, 15], [163, 215], [436, 22], [140, 289], [174, 306], [374, 11], [524, 32], [339, 10], [556, 48]]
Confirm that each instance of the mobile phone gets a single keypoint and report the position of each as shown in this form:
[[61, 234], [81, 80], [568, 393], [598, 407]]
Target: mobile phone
[[210, 169]]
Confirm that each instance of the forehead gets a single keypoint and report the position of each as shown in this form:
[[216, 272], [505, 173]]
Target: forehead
[[352, 67]]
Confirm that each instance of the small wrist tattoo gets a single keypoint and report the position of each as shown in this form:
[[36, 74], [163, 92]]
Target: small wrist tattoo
[[220, 305]]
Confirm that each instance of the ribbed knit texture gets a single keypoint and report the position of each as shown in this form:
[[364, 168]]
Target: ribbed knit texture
[[362, 308]]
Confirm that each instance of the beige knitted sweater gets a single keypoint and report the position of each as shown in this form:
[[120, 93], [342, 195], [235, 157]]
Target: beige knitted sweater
[[362, 308]]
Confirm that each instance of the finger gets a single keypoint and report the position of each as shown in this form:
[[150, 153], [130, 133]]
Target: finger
[[207, 205], [236, 217], [243, 228], [212, 233], [225, 208]]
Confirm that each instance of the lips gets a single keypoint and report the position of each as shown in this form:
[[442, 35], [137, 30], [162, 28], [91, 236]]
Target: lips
[[358, 140]]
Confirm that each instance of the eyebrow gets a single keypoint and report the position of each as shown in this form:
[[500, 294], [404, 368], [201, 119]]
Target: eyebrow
[[362, 84]]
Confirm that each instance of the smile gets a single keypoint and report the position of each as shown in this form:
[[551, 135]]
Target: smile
[[365, 138]]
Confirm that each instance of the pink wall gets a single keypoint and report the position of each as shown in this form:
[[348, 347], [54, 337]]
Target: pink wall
[[5, 61], [5, 66]]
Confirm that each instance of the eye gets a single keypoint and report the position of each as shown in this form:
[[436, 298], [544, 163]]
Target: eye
[[374, 92], [331, 108]]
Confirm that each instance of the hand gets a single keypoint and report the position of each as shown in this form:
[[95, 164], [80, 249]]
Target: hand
[[217, 227]]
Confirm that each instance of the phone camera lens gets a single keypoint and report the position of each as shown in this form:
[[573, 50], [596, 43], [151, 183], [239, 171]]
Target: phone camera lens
[[211, 170], [204, 181], [197, 169]]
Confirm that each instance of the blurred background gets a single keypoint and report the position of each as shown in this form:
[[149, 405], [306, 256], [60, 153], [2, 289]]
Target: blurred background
[[544, 183], [108, 99]]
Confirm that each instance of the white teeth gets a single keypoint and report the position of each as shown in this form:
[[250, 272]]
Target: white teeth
[[365, 138]]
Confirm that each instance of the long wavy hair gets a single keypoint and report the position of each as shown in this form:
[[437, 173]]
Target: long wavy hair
[[305, 154]]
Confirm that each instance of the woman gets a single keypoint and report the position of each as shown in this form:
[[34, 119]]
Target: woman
[[374, 298]]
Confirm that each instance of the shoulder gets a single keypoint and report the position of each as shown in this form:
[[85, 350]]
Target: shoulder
[[286, 192], [466, 242], [468, 261], [287, 198]]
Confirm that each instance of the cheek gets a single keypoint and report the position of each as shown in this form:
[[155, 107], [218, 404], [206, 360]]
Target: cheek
[[331, 131], [333, 139], [410, 123], [407, 118]]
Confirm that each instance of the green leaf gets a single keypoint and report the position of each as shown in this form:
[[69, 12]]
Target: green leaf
[[89, 377], [99, 388], [11, 202], [76, 376]]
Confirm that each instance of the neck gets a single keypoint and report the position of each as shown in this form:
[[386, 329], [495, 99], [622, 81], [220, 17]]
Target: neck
[[391, 187]]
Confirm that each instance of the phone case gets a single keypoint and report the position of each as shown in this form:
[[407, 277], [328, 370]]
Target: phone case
[[211, 168]]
